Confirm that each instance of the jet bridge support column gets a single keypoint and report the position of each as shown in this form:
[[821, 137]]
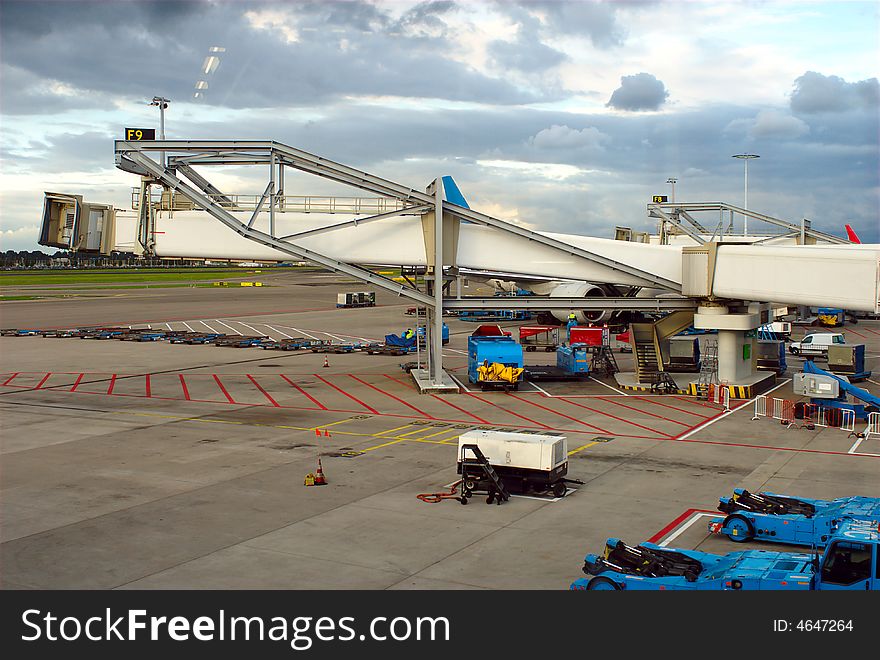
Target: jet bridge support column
[[433, 378], [737, 359]]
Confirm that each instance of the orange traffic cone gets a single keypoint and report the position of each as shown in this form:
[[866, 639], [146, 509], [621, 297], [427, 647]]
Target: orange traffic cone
[[326, 433], [320, 480], [326, 361], [317, 433]]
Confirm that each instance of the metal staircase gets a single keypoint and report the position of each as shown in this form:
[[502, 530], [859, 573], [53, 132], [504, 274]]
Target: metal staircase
[[480, 469], [647, 342], [603, 361], [708, 369]]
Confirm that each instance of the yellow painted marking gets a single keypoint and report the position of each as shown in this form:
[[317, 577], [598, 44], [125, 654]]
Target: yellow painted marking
[[438, 433], [386, 444], [380, 433], [421, 429], [581, 448], [341, 421]]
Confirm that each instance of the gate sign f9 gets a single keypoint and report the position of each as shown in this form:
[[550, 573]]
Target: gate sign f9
[[140, 134]]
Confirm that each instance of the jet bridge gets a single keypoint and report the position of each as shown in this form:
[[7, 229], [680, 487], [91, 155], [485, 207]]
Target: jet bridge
[[405, 226]]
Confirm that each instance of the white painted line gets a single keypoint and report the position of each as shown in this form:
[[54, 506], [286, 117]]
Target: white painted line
[[286, 336], [694, 518], [228, 326], [608, 386], [188, 326], [168, 325], [459, 383], [210, 329], [540, 389], [852, 450], [251, 328], [872, 381], [321, 332], [331, 336], [455, 350], [729, 412], [302, 332]]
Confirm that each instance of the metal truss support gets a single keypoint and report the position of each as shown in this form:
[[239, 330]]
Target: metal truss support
[[144, 163], [598, 303], [242, 152], [669, 211]]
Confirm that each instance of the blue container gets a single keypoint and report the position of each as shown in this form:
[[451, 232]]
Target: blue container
[[573, 359], [505, 350]]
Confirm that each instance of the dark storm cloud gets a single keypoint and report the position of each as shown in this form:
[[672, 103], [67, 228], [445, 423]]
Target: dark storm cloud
[[639, 92], [343, 48], [22, 93], [815, 93]]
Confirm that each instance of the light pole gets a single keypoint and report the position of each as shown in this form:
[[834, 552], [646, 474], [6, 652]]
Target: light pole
[[673, 181], [161, 102], [745, 159]]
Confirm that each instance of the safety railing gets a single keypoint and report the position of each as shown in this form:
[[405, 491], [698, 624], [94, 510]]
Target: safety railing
[[720, 394], [873, 428], [284, 203], [802, 414]]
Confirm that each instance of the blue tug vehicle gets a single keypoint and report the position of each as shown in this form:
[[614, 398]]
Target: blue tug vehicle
[[785, 519]]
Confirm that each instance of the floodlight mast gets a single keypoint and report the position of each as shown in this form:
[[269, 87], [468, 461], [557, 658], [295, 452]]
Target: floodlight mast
[[746, 158], [162, 103]]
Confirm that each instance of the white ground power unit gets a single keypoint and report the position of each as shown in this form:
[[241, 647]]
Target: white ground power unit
[[523, 461]]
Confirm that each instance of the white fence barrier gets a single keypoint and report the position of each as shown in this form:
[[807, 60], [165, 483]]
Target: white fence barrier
[[873, 428], [810, 414]]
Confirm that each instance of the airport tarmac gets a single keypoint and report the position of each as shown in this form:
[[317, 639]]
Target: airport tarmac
[[151, 465]]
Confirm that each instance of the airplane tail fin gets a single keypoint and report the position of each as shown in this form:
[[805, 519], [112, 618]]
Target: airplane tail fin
[[851, 235], [453, 194]]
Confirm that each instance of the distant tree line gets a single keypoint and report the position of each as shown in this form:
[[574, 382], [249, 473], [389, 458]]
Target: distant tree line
[[70, 259]]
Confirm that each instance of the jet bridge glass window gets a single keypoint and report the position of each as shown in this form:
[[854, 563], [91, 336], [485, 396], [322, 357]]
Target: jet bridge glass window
[[847, 563]]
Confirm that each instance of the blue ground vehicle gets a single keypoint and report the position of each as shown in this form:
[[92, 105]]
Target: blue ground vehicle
[[488, 349], [838, 398], [574, 359], [785, 519], [420, 332], [850, 562]]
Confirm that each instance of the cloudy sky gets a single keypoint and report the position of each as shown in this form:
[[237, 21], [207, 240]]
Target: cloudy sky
[[567, 116]]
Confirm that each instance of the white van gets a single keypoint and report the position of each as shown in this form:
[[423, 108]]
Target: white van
[[816, 343]]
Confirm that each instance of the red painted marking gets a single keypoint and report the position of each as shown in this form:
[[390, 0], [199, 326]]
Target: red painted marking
[[76, 383], [645, 412], [265, 393], [441, 399], [509, 412], [302, 391], [147, 386], [469, 414], [112, 384], [873, 332], [621, 419], [11, 378], [666, 405], [353, 398], [408, 405], [556, 412], [223, 389], [45, 378], [859, 334], [695, 402], [675, 523], [397, 380], [185, 388]]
